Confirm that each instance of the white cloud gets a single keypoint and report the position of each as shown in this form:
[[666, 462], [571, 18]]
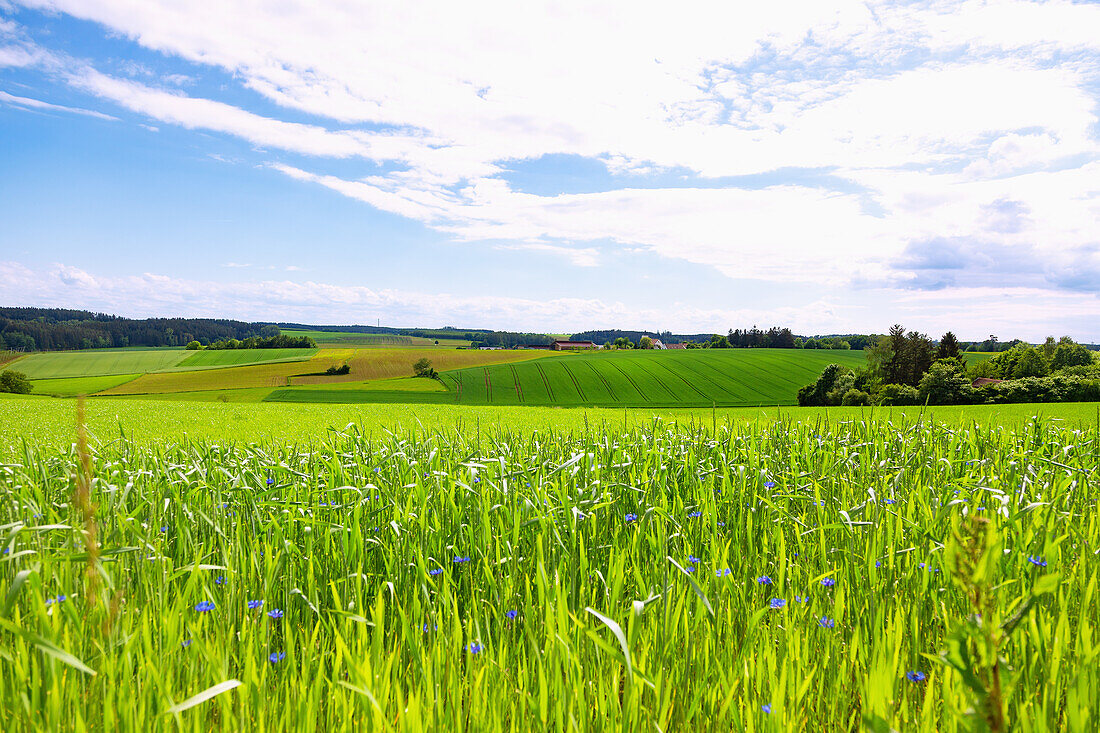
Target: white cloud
[[929, 115], [972, 312], [29, 103]]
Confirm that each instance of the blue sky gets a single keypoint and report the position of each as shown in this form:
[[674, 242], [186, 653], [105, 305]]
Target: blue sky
[[834, 167]]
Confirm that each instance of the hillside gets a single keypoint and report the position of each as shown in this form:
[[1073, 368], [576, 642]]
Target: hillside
[[699, 378]]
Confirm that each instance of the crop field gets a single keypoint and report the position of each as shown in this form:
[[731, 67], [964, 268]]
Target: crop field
[[72, 386], [351, 338], [273, 374], [390, 363], [55, 364], [697, 378], [792, 574], [240, 357]]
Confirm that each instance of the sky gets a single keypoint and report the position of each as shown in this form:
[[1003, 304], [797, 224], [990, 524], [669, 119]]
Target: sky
[[834, 167]]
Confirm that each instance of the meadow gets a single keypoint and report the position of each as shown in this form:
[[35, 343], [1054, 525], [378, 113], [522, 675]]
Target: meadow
[[277, 568], [351, 338]]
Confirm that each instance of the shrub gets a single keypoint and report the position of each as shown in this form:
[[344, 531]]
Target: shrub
[[337, 370], [855, 397], [817, 394], [897, 395], [15, 382], [193, 346]]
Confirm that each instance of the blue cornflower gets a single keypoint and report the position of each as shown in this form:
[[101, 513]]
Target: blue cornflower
[[722, 573], [59, 599], [721, 524], [890, 501], [631, 517], [185, 643], [826, 623], [276, 657], [253, 605], [915, 676], [435, 571], [766, 708], [828, 582], [1037, 561], [693, 515], [163, 529], [878, 563], [270, 481], [769, 484], [764, 580], [693, 560], [477, 481], [461, 559], [689, 569], [204, 606], [512, 614], [220, 580], [777, 602], [802, 599], [428, 628], [275, 613], [377, 470], [474, 648]]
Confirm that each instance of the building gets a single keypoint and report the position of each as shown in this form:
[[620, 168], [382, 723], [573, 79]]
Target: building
[[657, 343], [573, 345], [674, 346], [983, 381]]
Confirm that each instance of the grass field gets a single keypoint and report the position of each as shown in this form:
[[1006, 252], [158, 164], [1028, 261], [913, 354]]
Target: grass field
[[55, 364], [167, 419], [241, 357], [696, 378], [72, 386], [582, 575]]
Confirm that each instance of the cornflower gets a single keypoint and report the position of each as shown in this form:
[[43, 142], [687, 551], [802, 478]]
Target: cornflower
[[915, 676], [204, 606], [764, 580], [777, 603], [826, 623], [253, 605], [276, 657], [275, 613]]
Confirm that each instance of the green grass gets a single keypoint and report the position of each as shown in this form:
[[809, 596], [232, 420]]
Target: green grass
[[566, 616], [166, 419], [696, 378], [241, 357], [56, 364], [72, 386]]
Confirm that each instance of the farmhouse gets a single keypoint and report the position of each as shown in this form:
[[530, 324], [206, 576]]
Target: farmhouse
[[573, 345], [657, 343], [674, 346]]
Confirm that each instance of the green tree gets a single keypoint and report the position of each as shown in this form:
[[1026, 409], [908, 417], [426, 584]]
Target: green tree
[[1048, 347], [1030, 364], [946, 383], [948, 347], [896, 369], [269, 331], [423, 368], [1067, 355], [645, 342], [14, 382], [816, 393], [193, 346]]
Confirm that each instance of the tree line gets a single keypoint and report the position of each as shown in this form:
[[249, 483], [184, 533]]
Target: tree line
[[909, 368], [57, 329], [278, 341]]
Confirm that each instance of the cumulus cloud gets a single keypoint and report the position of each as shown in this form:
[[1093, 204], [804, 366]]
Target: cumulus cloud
[[961, 137]]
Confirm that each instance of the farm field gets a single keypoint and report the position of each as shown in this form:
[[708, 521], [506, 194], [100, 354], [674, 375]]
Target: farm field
[[696, 378], [351, 338], [240, 357], [166, 419], [677, 574], [72, 386], [55, 364]]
